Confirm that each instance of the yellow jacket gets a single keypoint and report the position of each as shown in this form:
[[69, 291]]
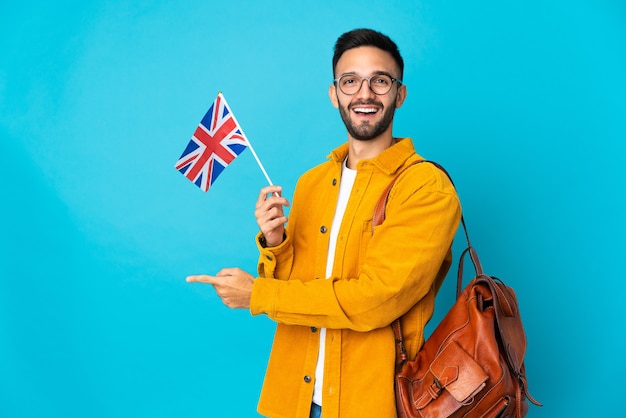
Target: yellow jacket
[[377, 277]]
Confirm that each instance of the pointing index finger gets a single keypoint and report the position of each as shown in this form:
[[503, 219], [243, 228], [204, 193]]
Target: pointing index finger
[[201, 278]]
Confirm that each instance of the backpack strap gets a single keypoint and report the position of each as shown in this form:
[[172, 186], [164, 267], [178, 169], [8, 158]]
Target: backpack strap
[[379, 217], [381, 206]]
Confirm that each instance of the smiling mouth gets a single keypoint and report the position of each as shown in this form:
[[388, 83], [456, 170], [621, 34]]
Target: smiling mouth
[[364, 110]]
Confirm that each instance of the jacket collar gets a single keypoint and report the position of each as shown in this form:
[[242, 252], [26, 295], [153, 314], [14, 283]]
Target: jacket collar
[[388, 161]]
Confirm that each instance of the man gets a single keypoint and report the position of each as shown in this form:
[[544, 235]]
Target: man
[[332, 283]]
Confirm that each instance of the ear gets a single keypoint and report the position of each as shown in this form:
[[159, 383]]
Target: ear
[[332, 94], [401, 96]]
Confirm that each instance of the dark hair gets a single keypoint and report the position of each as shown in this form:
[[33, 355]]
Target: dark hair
[[367, 37]]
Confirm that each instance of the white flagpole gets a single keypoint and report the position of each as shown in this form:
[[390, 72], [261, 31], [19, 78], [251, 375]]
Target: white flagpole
[[256, 157]]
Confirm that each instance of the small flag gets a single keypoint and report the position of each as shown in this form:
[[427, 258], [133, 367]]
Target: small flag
[[217, 141]]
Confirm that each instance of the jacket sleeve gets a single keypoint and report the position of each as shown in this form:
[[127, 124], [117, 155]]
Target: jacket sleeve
[[275, 262], [400, 263]]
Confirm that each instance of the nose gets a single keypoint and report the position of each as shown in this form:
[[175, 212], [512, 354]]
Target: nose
[[364, 90]]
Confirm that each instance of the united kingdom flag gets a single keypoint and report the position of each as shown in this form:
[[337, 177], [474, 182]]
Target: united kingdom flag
[[218, 140]]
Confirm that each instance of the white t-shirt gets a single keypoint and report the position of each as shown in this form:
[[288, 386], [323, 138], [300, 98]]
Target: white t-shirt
[[345, 187]]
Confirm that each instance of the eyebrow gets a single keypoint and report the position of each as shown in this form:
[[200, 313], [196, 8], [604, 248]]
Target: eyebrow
[[373, 74]]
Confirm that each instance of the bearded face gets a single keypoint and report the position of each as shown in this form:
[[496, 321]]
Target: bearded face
[[363, 119], [367, 115]]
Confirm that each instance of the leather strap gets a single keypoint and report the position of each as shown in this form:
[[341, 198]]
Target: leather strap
[[381, 206], [379, 217]]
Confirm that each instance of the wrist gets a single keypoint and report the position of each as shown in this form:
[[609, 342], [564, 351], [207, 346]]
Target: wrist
[[265, 244]]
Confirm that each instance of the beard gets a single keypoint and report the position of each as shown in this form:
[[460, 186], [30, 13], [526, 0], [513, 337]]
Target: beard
[[366, 131]]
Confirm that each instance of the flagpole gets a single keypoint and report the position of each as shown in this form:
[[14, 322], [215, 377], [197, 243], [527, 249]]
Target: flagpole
[[256, 157]]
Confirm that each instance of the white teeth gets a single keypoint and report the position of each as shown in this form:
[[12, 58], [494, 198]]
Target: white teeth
[[364, 110]]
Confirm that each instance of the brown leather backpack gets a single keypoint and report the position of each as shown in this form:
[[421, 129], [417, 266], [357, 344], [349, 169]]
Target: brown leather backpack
[[472, 365]]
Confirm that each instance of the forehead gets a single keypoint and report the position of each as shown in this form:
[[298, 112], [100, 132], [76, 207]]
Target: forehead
[[366, 60]]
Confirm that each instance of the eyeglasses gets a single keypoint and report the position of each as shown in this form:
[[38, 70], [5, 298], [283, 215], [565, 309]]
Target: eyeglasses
[[379, 83]]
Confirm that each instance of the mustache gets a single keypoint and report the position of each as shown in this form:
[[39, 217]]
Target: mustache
[[365, 103]]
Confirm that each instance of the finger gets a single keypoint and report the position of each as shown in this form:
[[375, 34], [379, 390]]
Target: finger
[[264, 216], [202, 278], [234, 273], [273, 229], [271, 200], [228, 272], [271, 208], [265, 191], [272, 224]]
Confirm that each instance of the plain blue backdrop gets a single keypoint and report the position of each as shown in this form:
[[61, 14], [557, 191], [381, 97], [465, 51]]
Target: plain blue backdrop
[[524, 102]]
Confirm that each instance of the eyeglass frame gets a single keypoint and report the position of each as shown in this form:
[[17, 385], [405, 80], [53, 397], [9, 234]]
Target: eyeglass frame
[[393, 79]]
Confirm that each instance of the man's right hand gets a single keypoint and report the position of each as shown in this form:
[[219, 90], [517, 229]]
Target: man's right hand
[[270, 215]]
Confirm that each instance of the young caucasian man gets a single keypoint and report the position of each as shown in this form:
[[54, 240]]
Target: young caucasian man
[[332, 284]]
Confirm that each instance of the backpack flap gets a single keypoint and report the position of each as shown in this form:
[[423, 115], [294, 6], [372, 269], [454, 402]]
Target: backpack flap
[[454, 371]]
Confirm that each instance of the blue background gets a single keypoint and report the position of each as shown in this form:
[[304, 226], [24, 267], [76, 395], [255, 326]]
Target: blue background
[[523, 101]]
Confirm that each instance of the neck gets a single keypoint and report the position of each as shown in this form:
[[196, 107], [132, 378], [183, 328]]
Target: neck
[[366, 150]]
